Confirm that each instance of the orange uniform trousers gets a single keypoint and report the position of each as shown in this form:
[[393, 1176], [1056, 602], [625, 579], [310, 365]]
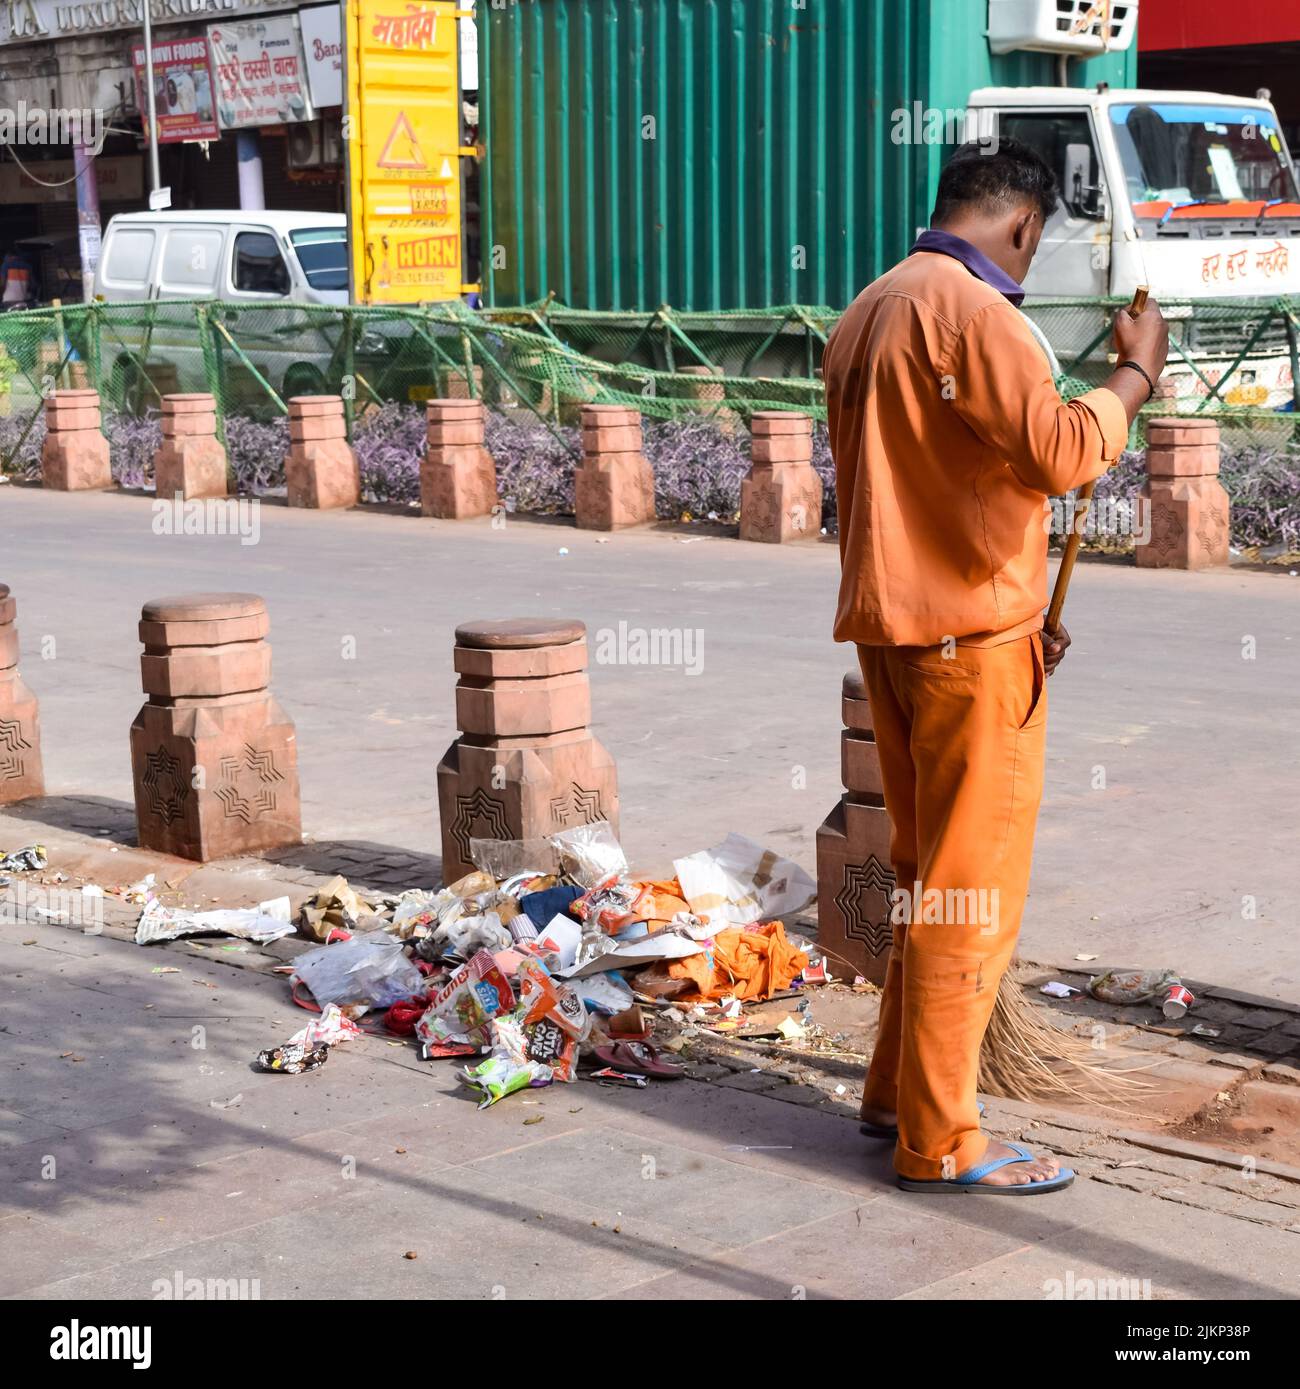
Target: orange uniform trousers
[[961, 735]]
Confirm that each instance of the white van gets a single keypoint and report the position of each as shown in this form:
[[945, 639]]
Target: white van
[[235, 256], [254, 259]]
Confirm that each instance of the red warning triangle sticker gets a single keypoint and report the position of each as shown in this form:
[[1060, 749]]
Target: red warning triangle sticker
[[407, 146]]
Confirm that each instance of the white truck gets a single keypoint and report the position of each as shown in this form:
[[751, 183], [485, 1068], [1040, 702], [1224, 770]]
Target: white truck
[[1192, 193]]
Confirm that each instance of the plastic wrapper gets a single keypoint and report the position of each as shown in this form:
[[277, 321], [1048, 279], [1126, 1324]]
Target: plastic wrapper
[[590, 853], [369, 970], [506, 858], [606, 993], [293, 1058], [541, 996], [500, 1076], [266, 922], [738, 882], [30, 859], [613, 904], [329, 1029], [464, 936], [509, 1068], [552, 1046], [463, 1009], [1132, 985]]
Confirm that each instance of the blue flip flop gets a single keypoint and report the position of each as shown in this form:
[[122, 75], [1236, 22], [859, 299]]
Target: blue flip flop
[[969, 1183], [891, 1131]]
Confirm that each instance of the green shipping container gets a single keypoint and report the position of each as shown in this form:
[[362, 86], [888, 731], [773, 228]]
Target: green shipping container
[[718, 154]]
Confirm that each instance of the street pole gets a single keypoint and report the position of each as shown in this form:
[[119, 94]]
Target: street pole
[[155, 179]]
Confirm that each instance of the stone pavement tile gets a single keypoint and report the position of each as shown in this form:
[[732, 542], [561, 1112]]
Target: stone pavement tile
[[1184, 1253], [449, 1126], [680, 1188], [158, 1212], [35, 1251], [753, 1131], [874, 1250], [1178, 1247], [17, 1130], [472, 1241]]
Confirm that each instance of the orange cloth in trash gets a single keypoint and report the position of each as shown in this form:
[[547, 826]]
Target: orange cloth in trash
[[657, 904], [745, 962]]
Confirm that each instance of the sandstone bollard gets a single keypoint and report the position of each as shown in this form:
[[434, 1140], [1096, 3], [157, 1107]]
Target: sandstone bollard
[[321, 468], [614, 486], [781, 499], [21, 774], [710, 396], [456, 383], [1189, 510], [214, 757], [74, 457], [526, 764], [191, 461], [458, 477], [855, 882]]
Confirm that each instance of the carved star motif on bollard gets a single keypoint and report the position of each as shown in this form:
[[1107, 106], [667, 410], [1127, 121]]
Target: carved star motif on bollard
[[246, 786], [864, 902], [165, 785], [12, 747], [478, 809], [575, 807]]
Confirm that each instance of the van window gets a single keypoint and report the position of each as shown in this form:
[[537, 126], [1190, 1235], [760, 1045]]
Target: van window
[[191, 259], [1064, 140], [258, 266], [323, 254], [129, 256]]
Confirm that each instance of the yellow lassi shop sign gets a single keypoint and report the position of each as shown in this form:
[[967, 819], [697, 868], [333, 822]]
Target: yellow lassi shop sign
[[404, 151]]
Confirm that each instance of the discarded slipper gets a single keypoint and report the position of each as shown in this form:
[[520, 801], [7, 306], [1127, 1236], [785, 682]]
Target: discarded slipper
[[969, 1183], [640, 1058], [890, 1131]]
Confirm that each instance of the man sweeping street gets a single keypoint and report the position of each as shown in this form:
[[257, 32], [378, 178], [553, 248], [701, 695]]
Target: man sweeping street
[[949, 436]]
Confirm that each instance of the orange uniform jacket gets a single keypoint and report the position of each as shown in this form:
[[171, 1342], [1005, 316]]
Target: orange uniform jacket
[[948, 435]]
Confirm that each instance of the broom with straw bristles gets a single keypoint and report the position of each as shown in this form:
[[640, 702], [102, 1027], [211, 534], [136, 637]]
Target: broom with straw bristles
[[1023, 1057]]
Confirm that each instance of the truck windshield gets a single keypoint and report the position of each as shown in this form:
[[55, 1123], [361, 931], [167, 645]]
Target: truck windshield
[[323, 254], [1176, 154]]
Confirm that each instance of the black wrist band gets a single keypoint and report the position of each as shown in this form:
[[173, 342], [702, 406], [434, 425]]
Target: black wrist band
[[1151, 385]]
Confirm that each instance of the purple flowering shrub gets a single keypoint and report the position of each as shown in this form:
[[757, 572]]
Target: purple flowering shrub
[[132, 442], [698, 468], [255, 451], [1264, 486], [25, 465], [534, 468], [389, 444]]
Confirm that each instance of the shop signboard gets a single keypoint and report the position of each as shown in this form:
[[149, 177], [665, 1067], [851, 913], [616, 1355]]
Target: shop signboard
[[183, 89], [261, 72]]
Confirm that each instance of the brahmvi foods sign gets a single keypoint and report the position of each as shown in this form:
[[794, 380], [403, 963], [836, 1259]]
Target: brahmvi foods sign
[[25, 21]]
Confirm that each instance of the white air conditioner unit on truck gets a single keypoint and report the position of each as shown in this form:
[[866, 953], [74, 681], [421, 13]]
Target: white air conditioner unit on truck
[[1080, 27]]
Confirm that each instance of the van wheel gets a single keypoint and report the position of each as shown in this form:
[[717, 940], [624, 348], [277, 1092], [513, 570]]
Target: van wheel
[[303, 378]]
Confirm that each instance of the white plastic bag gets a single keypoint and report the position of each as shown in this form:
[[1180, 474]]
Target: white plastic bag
[[738, 881], [372, 970], [590, 853]]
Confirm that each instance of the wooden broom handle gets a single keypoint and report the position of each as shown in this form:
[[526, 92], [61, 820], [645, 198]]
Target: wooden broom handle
[[1075, 539]]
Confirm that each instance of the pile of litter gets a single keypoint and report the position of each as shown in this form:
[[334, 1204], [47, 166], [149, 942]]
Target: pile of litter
[[548, 959]]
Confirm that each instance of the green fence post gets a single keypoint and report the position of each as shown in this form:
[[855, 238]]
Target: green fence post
[[349, 369]]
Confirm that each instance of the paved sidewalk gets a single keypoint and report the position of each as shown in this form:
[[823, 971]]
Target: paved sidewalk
[[140, 1148], [1185, 858]]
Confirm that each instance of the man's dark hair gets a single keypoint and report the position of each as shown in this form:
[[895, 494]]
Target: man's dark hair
[[994, 178]]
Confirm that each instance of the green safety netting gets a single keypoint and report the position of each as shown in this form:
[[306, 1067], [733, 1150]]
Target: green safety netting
[[1236, 358]]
